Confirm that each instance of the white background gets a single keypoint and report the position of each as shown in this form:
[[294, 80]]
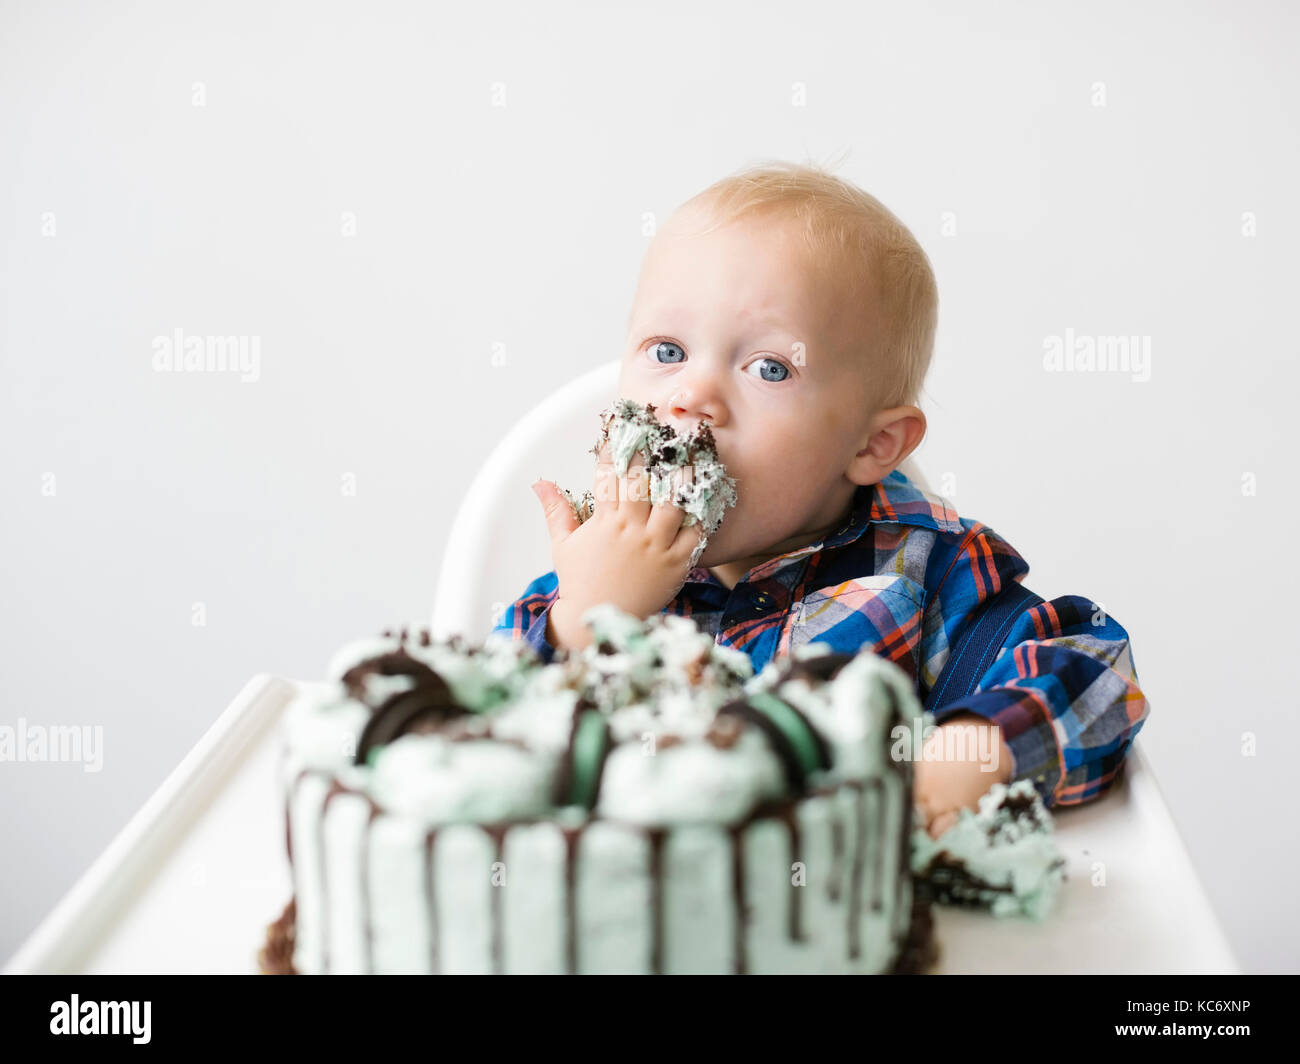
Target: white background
[[1100, 163]]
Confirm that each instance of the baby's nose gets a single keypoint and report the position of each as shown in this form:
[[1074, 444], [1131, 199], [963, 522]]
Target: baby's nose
[[688, 408]]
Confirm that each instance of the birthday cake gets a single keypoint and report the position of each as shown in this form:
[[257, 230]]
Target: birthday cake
[[681, 469], [647, 805]]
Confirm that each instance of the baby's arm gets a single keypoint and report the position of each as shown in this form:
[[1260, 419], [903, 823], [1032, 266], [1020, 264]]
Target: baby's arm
[[563, 629], [952, 775], [528, 617], [1062, 699]]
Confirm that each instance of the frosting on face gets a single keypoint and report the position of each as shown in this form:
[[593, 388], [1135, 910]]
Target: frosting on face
[[631, 429]]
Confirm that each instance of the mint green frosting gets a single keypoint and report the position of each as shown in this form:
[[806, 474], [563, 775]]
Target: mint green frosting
[[1016, 852], [632, 429], [588, 753]]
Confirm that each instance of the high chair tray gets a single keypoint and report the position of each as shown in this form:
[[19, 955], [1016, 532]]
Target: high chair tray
[[189, 885]]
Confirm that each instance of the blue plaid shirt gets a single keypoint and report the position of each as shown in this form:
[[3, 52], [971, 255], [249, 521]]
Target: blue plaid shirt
[[902, 576]]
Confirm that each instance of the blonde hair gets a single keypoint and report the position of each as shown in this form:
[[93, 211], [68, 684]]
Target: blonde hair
[[843, 222]]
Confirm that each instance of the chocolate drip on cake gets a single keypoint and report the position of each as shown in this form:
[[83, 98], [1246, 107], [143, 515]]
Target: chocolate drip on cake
[[917, 955], [855, 889], [571, 837], [905, 771], [288, 829], [738, 894], [656, 837], [878, 801], [837, 853], [431, 899], [335, 788], [498, 835], [367, 906], [288, 846], [915, 922], [790, 817]]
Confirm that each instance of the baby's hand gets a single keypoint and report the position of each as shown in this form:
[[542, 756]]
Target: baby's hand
[[628, 553], [944, 786]]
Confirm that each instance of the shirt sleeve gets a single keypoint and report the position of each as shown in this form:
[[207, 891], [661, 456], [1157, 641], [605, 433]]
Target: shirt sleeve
[[1064, 690], [526, 617]]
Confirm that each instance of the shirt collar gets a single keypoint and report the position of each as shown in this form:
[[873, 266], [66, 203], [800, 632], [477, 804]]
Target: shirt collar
[[895, 500]]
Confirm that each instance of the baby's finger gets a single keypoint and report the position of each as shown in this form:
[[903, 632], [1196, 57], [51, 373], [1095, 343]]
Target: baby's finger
[[635, 486], [664, 523], [687, 539], [606, 487], [560, 518]]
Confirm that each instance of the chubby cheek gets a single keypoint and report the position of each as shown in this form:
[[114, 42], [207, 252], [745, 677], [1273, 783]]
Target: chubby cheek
[[779, 465], [636, 384], [777, 488]]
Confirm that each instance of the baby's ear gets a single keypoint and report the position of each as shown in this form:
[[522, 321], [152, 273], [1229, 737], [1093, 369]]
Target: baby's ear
[[895, 434], [866, 470]]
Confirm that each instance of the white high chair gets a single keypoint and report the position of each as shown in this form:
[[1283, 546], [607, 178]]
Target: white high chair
[[498, 541]]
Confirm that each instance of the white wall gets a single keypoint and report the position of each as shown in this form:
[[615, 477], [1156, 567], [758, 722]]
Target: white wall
[[522, 226]]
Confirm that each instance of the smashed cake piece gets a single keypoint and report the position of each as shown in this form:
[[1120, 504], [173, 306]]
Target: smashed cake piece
[[631, 429], [1003, 858], [663, 673]]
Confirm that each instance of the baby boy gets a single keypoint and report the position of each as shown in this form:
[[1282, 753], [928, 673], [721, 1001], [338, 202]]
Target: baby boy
[[796, 315]]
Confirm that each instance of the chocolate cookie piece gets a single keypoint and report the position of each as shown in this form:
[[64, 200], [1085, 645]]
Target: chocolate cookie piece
[[425, 708], [395, 663]]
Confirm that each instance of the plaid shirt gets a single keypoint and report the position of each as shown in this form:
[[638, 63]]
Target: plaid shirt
[[902, 576]]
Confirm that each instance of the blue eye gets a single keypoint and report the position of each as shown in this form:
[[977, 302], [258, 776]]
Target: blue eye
[[771, 370], [656, 351]]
